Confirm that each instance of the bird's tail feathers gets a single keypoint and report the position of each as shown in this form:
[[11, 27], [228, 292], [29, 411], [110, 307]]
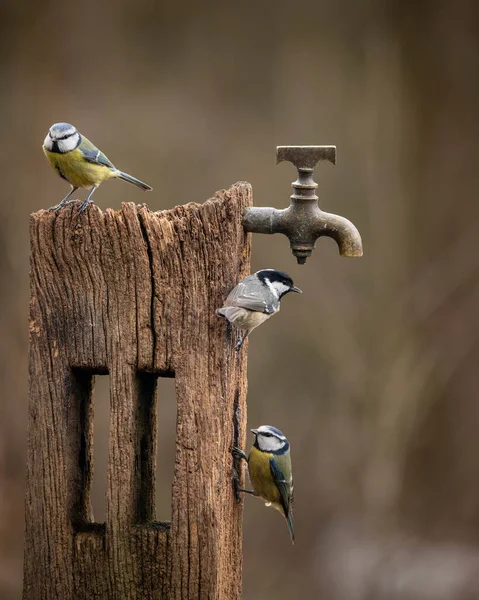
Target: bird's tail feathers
[[134, 181], [289, 520]]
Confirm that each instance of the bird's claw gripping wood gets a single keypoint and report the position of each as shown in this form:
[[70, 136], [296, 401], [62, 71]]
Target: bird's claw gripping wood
[[64, 202], [237, 456], [240, 342], [238, 453], [303, 222]]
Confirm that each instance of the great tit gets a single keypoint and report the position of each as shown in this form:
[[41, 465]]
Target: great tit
[[81, 163], [255, 299], [269, 468]]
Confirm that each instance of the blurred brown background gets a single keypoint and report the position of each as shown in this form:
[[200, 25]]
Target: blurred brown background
[[372, 372]]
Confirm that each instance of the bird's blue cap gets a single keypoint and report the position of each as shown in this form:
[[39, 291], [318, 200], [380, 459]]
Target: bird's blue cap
[[270, 429]]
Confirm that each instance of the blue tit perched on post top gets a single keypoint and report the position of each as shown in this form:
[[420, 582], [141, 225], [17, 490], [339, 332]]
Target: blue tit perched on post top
[[270, 472], [255, 299], [81, 163]]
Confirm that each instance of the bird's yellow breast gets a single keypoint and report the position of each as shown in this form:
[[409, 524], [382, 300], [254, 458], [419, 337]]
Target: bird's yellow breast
[[73, 167], [260, 475]]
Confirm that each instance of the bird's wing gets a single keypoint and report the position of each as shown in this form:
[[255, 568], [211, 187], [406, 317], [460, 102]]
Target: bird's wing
[[282, 484], [251, 298], [93, 155]]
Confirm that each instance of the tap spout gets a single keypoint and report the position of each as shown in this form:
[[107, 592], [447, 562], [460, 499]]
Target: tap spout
[[303, 225]]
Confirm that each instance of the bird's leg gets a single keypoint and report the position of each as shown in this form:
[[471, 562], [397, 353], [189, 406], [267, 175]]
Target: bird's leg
[[63, 203], [252, 492], [87, 200], [239, 454], [241, 341]]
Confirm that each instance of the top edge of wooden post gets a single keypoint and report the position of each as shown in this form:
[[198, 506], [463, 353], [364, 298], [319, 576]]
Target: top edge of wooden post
[[220, 195]]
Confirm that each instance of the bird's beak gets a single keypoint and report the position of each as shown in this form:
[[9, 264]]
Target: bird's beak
[[295, 289], [255, 431]]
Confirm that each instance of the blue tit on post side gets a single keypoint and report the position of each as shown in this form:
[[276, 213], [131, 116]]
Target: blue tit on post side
[[255, 299], [81, 163], [269, 468]]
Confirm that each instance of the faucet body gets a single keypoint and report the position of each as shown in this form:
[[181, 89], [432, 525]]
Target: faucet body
[[303, 222]]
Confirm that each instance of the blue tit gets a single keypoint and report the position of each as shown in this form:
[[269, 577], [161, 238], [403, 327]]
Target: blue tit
[[269, 468], [255, 299], [80, 163]]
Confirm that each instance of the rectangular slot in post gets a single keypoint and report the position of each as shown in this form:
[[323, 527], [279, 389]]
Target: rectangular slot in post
[[80, 438], [145, 419], [155, 454], [101, 425], [85, 435], [166, 415]]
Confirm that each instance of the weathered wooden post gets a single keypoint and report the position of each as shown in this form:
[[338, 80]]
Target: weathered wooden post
[[133, 294]]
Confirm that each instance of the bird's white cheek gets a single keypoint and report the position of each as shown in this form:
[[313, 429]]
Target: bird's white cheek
[[69, 144], [280, 288], [269, 444], [48, 143], [272, 288]]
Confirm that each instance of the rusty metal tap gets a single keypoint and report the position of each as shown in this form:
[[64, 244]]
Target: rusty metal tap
[[303, 222]]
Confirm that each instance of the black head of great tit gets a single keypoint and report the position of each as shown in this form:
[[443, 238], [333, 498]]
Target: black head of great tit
[[80, 162], [255, 299], [270, 472]]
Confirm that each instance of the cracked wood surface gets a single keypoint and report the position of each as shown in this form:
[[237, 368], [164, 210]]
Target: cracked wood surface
[[133, 293]]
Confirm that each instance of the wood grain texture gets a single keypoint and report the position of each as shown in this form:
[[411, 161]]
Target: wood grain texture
[[133, 293]]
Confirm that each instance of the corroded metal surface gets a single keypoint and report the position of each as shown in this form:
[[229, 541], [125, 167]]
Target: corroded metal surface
[[303, 222]]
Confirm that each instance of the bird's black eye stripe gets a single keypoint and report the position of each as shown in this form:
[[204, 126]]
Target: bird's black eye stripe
[[65, 137]]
